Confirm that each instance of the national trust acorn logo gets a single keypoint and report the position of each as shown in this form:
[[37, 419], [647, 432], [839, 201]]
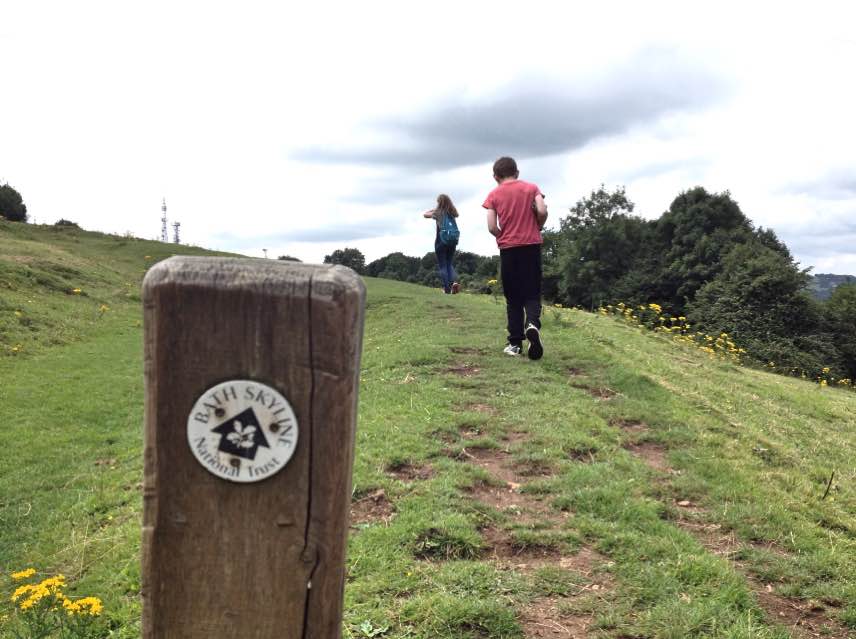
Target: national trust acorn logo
[[242, 430]]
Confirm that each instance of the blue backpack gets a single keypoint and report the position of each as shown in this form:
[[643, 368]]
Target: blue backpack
[[449, 233]]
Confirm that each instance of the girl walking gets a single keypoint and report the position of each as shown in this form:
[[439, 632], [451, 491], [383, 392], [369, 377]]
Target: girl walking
[[445, 241]]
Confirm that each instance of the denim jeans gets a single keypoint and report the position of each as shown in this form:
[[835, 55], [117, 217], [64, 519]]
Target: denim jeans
[[444, 265]]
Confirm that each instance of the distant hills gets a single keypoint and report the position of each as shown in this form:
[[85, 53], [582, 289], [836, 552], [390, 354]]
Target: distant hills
[[822, 284]]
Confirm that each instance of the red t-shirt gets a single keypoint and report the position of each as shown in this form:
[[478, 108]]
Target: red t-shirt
[[512, 202]]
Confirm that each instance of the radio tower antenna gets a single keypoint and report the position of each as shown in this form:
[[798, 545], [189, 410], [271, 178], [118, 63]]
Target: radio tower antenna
[[175, 227], [164, 232]]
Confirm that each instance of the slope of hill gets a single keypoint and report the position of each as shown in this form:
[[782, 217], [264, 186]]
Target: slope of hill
[[822, 284], [623, 486], [58, 283]]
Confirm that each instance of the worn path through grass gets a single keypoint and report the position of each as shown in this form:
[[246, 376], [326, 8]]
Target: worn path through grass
[[623, 486]]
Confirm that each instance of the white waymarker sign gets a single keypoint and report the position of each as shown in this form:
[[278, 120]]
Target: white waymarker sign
[[242, 430]]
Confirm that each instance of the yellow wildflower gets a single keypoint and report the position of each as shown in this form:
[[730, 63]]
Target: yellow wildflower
[[29, 603], [21, 590], [103, 308], [53, 583], [70, 606], [37, 594], [93, 604], [28, 572], [76, 291]]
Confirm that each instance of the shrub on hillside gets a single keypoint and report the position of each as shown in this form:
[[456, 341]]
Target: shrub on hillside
[[760, 299], [350, 257], [12, 206], [840, 314]]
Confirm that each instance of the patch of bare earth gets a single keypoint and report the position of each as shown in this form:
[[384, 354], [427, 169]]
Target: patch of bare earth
[[630, 426], [410, 472], [804, 620], [598, 393], [464, 369], [494, 461], [468, 431], [485, 409], [583, 455], [653, 454], [373, 508], [548, 616], [514, 437]]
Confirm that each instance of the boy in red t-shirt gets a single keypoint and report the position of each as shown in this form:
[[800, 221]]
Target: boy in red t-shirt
[[516, 213]]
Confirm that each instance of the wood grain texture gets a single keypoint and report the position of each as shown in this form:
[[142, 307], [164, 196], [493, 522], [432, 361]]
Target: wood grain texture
[[266, 559]]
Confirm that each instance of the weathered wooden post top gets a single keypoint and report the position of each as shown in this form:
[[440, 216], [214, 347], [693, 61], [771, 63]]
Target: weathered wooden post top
[[251, 370]]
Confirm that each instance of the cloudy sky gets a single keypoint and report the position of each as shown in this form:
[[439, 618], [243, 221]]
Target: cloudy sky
[[304, 127]]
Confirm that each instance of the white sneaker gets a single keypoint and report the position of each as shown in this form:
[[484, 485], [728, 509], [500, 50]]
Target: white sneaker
[[512, 350], [536, 349]]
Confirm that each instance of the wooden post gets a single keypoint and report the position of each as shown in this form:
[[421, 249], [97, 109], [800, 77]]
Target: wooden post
[[252, 369]]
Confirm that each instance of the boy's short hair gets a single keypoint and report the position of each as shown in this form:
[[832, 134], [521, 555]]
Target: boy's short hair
[[505, 167]]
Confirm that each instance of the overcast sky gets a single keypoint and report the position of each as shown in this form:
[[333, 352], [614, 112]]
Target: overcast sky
[[304, 127]]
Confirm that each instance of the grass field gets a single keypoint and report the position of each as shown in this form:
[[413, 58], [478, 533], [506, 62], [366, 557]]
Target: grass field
[[622, 486]]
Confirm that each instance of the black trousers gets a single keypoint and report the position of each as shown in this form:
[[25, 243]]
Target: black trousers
[[521, 281]]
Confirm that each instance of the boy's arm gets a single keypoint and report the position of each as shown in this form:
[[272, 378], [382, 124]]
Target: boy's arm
[[540, 210], [492, 225], [429, 213]]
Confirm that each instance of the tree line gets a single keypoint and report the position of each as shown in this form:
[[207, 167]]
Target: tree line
[[702, 259], [474, 271]]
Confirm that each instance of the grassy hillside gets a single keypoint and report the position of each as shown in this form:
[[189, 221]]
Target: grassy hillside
[[623, 486], [59, 284]]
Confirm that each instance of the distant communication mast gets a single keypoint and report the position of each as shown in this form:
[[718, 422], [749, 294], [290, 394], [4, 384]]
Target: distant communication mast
[[164, 232], [175, 227]]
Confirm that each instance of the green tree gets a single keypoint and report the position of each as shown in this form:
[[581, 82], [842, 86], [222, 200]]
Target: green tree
[[350, 257], [395, 266], [697, 231], [759, 298], [840, 311], [12, 206], [288, 258], [595, 246]]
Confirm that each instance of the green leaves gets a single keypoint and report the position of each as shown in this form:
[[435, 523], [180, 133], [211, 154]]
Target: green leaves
[[12, 206]]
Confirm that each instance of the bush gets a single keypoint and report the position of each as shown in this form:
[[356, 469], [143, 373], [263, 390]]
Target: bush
[[12, 206]]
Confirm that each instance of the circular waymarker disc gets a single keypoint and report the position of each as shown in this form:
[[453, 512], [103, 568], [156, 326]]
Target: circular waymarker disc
[[242, 430]]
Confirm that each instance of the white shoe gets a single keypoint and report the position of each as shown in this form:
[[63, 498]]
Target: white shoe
[[512, 350], [536, 349]]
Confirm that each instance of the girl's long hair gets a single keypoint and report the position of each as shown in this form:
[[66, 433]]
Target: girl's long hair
[[444, 205]]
